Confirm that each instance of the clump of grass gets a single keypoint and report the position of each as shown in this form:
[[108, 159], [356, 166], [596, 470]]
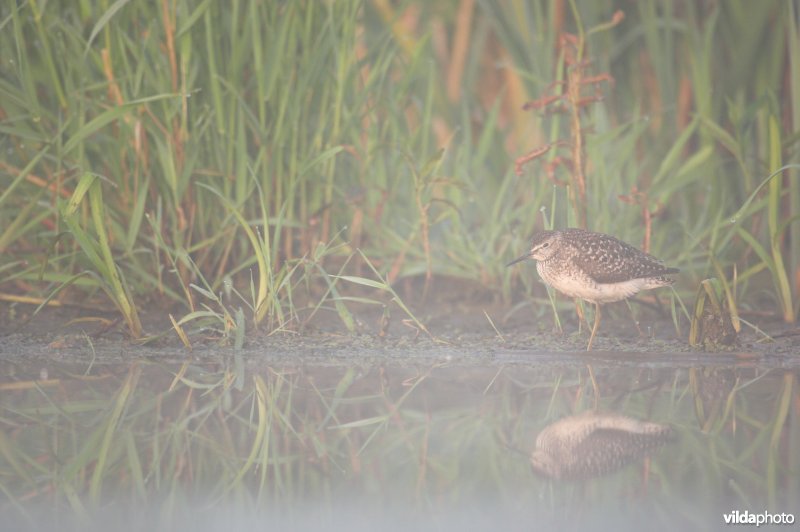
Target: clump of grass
[[711, 324], [244, 136], [98, 249], [384, 286]]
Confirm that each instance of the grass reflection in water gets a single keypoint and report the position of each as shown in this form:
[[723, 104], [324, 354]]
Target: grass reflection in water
[[166, 445]]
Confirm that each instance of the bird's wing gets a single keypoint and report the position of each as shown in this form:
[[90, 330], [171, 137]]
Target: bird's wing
[[607, 450], [609, 260]]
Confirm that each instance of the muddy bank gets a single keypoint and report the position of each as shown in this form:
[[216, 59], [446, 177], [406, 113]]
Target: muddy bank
[[457, 333]]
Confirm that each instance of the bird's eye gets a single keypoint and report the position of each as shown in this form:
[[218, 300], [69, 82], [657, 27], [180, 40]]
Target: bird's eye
[[546, 245]]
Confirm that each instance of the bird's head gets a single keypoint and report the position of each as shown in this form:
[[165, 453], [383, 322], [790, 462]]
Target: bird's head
[[543, 245]]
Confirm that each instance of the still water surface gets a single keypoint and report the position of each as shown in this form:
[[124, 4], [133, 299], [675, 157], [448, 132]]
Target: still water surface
[[523, 442]]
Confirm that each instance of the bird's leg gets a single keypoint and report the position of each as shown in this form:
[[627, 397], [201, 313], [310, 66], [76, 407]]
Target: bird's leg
[[596, 324], [581, 314]]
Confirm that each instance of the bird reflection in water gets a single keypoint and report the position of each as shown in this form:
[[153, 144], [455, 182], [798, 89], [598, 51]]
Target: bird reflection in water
[[590, 444]]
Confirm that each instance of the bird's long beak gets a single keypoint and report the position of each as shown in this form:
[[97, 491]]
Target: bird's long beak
[[520, 259]]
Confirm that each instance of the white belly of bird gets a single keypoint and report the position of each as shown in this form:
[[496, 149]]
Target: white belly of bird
[[577, 285]]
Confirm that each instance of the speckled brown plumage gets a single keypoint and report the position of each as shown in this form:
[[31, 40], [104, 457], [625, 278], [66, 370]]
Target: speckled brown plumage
[[604, 258], [595, 267]]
